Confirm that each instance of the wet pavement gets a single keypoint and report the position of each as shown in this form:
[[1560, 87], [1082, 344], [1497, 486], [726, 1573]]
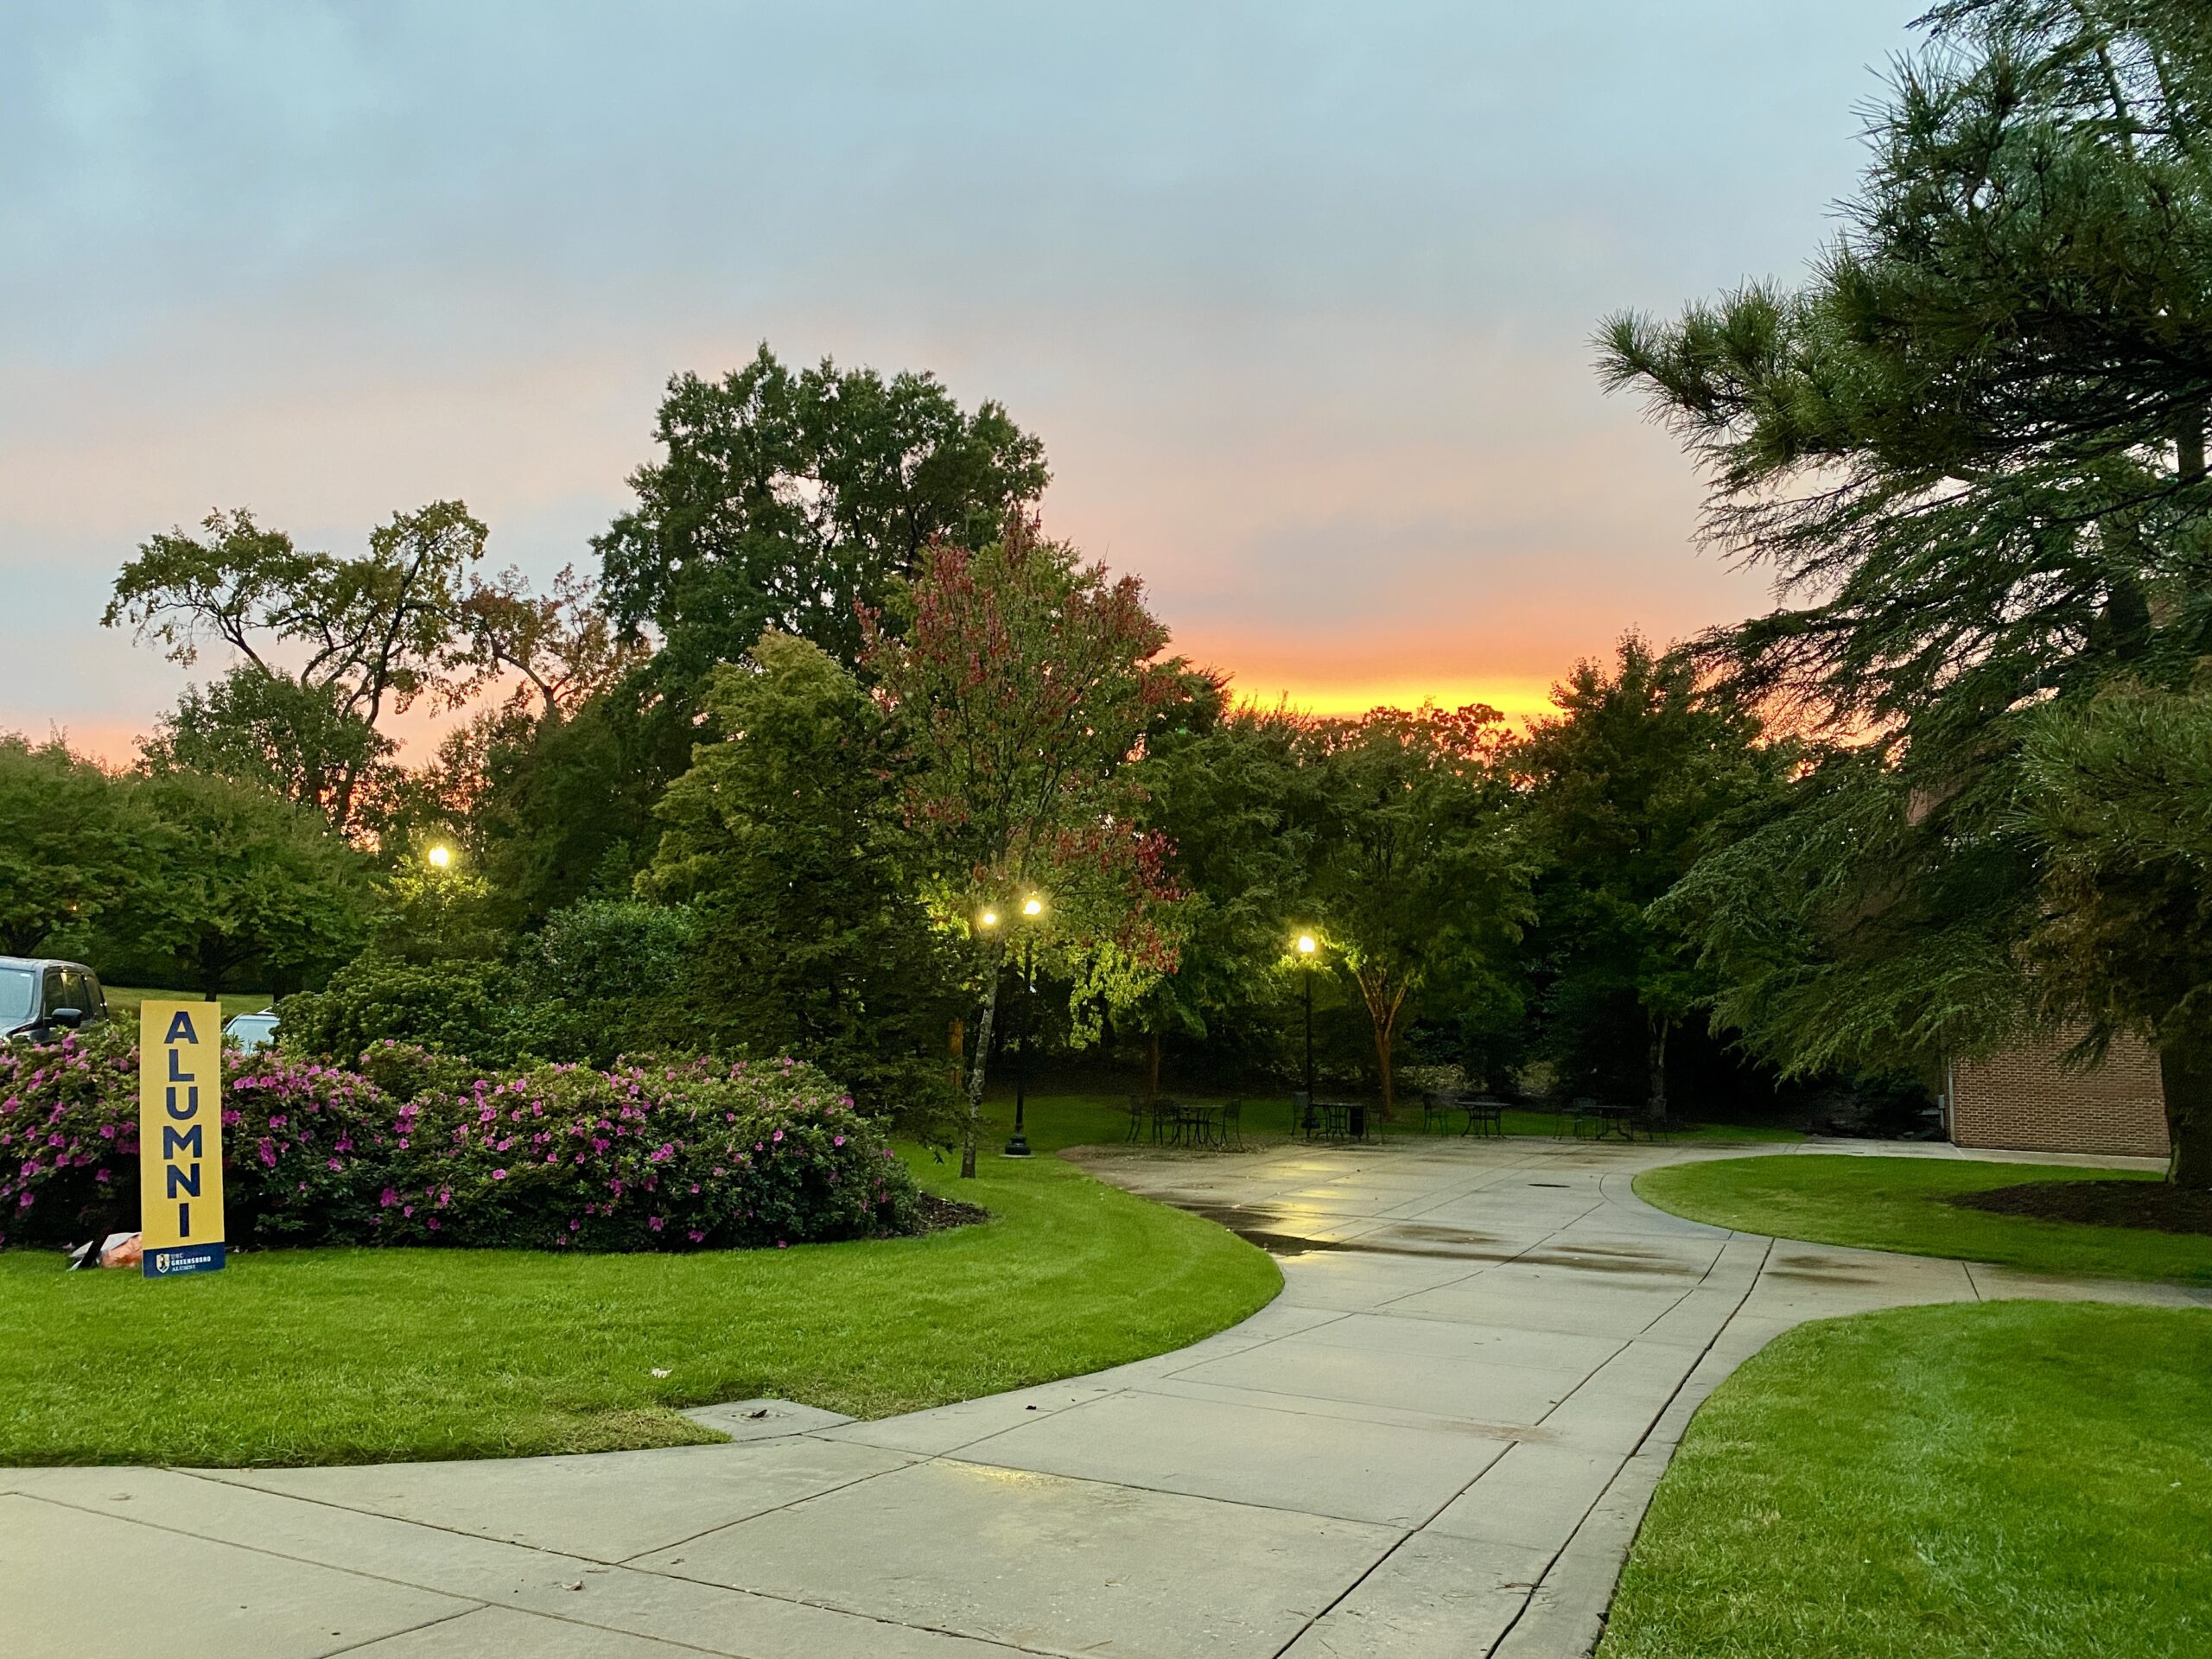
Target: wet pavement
[[1438, 1440]]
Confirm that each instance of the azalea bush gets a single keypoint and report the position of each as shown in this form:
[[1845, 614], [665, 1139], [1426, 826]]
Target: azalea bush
[[697, 1155], [410, 1149], [68, 1138]]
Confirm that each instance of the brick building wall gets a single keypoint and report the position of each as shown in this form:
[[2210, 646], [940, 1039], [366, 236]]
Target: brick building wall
[[2025, 1101]]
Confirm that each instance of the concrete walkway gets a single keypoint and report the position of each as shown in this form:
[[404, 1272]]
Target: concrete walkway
[[1439, 1440]]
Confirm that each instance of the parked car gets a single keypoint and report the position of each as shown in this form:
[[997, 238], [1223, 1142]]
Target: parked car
[[41, 998], [252, 1032]]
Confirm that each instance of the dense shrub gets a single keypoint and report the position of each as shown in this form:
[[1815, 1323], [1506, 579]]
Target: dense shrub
[[602, 978], [68, 1138], [456, 1006], [299, 1141], [699, 1155]]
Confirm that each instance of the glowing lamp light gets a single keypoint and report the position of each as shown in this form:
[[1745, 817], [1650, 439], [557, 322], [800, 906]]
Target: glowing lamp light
[[439, 857], [1306, 944], [1032, 906], [990, 919]]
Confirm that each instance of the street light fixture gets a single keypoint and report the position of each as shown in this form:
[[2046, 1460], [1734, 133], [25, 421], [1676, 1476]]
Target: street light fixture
[[1307, 947], [1032, 908], [440, 856]]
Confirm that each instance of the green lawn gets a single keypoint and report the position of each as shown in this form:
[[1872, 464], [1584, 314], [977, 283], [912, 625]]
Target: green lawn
[[2026, 1479], [1896, 1204], [355, 1355], [123, 1001]]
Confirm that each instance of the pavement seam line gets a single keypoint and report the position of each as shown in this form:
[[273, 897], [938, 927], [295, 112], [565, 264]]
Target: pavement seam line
[[1550, 1561], [278, 1554], [392, 1636], [1642, 1440]]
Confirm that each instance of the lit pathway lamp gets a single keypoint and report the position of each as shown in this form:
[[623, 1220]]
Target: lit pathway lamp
[[1032, 908], [440, 856], [1308, 947]]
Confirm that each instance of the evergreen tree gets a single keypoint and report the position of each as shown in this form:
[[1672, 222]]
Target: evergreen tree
[[1972, 450], [786, 840], [1636, 777]]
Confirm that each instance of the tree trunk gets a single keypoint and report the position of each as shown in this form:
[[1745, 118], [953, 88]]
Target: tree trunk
[[983, 1061], [1382, 1007], [956, 1044], [1152, 1069], [2186, 1071], [1655, 1067]]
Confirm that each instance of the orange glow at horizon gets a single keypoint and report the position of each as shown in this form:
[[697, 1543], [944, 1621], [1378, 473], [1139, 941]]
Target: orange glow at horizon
[[1519, 700]]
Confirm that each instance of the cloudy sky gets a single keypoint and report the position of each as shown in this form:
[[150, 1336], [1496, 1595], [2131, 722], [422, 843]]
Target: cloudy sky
[[1299, 297]]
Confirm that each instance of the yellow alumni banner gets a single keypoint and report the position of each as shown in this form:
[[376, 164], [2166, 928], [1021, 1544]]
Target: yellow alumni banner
[[181, 1137]]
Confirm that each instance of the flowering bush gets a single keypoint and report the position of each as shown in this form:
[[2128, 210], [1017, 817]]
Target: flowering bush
[[68, 1138], [297, 1141], [692, 1156], [698, 1156]]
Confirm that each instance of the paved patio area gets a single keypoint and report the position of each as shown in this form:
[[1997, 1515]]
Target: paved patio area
[[1438, 1440]]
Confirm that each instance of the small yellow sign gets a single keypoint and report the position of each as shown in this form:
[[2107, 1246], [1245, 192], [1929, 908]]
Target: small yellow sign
[[180, 1138]]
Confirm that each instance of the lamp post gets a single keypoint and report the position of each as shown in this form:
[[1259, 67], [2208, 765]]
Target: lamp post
[[1307, 945], [1032, 908], [440, 856]]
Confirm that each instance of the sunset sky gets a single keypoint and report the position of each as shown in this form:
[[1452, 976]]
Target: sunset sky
[[1299, 297]]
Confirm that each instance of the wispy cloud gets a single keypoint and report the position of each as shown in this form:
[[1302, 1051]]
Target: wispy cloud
[[1297, 295]]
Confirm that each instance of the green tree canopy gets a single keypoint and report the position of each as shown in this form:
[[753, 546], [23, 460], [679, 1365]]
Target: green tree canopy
[[369, 635], [1023, 682], [2116, 793], [76, 843], [302, 740], [1418, 875], [786, 840], [790, 501], [1972, 449], [244, 879], [1638, 777], [1225, 789]]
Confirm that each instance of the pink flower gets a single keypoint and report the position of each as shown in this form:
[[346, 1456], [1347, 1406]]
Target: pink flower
[[836, 1140], [654, 1223], [498, 1174], [100, 1175]]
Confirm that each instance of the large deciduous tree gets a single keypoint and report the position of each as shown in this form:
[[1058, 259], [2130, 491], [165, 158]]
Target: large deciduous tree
[[244, 879], [1226, 790], [1023, 680], [327, 646], [792, 501], [75, 843], [1972, 449], [1419, 877]]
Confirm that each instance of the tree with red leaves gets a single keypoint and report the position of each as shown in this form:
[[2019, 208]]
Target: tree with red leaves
[[1024, 680]]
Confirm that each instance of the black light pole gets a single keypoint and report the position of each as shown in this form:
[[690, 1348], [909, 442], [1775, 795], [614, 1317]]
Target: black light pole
[[1032, 908], [1306, 946]]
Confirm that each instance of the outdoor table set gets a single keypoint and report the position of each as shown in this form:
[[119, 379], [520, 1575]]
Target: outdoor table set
[[1602, 1121], [1173, 1123], [1477, 1114], [1334, 1120]]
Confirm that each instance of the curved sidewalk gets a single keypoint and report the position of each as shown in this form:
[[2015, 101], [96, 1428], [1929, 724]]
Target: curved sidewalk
[[1439, 1440]]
